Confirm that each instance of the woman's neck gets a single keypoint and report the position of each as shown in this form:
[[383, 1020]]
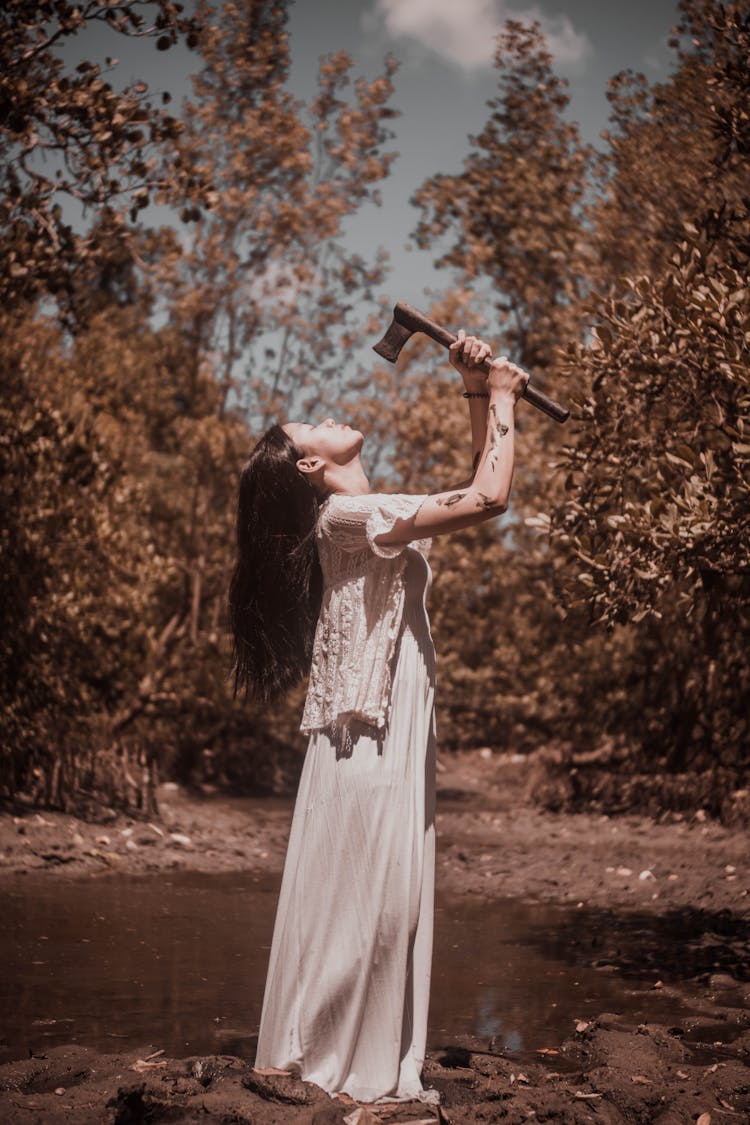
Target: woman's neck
[[349, 479]]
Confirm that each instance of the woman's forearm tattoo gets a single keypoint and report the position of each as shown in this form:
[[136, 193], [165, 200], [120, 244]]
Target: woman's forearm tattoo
[[485, 502], [498, 430], [449, 501]]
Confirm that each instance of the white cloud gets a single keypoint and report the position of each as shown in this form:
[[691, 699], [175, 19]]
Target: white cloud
[[463, 31]]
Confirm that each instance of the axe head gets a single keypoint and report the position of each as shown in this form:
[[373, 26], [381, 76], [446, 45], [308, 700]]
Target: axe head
[[393, 341]]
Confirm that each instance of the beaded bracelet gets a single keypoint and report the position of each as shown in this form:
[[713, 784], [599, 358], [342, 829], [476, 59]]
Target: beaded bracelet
[[476, 394]]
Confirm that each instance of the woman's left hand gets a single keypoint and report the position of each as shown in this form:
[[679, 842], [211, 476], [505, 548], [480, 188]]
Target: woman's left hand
[[466, 355]]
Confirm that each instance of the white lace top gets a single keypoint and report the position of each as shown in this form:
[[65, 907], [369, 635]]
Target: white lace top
[[360, 618]]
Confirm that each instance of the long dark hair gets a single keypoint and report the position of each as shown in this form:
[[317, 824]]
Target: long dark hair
[[275, 592]]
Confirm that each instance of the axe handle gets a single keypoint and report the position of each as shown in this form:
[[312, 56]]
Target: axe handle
[[416, 321]]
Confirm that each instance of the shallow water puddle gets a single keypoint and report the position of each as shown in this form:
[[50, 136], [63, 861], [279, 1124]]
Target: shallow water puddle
[[179, 961]]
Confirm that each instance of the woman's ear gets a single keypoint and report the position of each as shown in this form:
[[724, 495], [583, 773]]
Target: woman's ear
[[311, 467]]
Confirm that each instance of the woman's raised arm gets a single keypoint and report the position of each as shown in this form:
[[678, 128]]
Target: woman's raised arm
[[466, 355], [486, 495]]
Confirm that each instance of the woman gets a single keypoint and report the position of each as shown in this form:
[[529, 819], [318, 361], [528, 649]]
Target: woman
[[331, 578]]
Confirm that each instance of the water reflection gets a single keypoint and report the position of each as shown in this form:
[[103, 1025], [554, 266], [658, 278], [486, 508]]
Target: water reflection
[[179, 962], [504, 971]]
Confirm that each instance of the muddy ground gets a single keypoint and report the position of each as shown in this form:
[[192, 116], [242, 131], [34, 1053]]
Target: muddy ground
[[691, 874]]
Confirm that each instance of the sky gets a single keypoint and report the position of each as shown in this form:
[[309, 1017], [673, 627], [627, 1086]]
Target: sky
[[445, 78]]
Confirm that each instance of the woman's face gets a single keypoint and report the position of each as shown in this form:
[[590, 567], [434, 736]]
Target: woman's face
[[332, 441]]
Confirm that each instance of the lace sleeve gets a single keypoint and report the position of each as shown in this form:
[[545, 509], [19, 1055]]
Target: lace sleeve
[[354, 522]]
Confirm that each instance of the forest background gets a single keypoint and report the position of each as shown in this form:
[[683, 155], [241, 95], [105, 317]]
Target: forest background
[[602, 626]]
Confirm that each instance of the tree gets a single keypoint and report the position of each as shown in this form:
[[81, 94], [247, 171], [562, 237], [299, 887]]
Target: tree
[[514, 220], [658, 511], [124, 423], [648, 500], [72, 145], [515, 212], [264, 288], [674, 150], [70, 565]]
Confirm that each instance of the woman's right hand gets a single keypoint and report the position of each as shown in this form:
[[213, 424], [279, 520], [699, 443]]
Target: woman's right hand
[[506, 378]]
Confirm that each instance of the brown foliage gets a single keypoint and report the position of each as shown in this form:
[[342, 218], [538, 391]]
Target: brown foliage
[[610, 607], [648, 501], [657, 518], [516, 210], [122, 442], [262, 286], [70, 142]]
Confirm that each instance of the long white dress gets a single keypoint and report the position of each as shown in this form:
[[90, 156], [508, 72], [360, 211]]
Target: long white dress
[[348, 983]]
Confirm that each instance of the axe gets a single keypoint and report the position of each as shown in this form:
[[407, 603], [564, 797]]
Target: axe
[[407, 320]]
